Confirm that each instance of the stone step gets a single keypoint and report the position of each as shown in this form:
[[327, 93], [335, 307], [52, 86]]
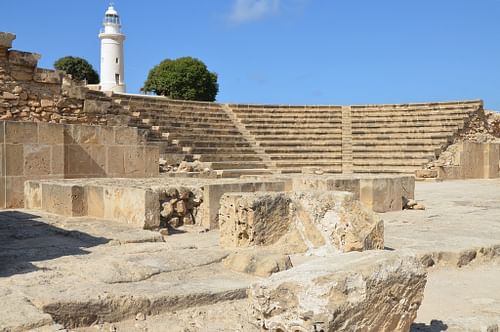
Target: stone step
[[394, 155], [397, 148], [220, 165], [195, 124], [236, 173], [187, 136], [398, 131], [293, 125], [279, 121], [363, 142], [308, 163], [162, 115], [220, 150], [227, 157], [411, 115], [325, 169], [386, 169], [305, 156], [424, 119], [295, 137], [294, 131], [409, 124], [211, 144], [398, 136], [217, 131], [301, 143], [303, 149], [291, 117], [389, 162]]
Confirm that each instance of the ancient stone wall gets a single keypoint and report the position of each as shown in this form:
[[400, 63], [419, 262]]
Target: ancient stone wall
[[28, 93], [30, 150]]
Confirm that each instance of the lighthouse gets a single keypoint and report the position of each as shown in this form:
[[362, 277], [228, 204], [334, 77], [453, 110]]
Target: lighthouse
[[112, 64]]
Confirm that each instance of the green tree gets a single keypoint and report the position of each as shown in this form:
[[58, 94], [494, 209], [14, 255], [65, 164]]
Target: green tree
[[78, 68], [185, 78]]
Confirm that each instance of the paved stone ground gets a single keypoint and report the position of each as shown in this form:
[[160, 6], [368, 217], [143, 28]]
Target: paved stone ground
[[70, 266]]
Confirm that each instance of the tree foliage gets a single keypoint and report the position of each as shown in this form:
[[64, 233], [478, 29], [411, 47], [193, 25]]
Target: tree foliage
[[185, 78], [78, 68]]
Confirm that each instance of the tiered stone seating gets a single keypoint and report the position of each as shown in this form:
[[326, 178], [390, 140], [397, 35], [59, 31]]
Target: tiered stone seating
[[402, 138], [202, 131], [295, 137]]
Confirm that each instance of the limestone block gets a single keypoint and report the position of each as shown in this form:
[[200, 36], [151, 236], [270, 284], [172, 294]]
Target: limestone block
[[81, 134], [48, 76], [49, 133], [14, 159], [24, 59], [136, 207], [2, 132], [115, 161], [37, 159], [106, 135], [313, 221], [77, 160], [6, 39], [64, 199], [32, 195], [134, 161], [151, 159], [338, 220], [2, 192], [372, 291], [126, 136], [382, 194], [95, 201], [14, 191], [98, 160], [253, 219], [21, 132], [57, 160], [258, 263]]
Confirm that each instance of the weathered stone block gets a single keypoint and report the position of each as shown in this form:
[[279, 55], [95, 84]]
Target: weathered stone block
[[95, 201], [258, 263], [106, 135], [98, 160], [32, 195], [116, 160], [134, 161], [64, 199], [49, 133], [6, 39], [151, 159], [14, 159], [24, 59], [253, 219], [82, 134], [299, 221], [77, 160], [382, 194], [21, 132], [126, 136], [2, 192], [57, 160], [14, 191], [372, 291], [37, 159], [48, 76]]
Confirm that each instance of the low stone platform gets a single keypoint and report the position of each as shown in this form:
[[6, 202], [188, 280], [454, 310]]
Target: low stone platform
[[137, 202], [82, 271]]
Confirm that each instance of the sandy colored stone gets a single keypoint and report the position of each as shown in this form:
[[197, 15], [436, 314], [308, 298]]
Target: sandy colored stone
[[259, 263], [373, 291]]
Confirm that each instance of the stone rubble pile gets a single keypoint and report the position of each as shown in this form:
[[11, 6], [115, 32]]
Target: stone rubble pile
[[179, 206]]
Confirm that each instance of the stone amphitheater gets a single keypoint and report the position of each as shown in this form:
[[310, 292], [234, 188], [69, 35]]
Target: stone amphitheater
[[126, 212]]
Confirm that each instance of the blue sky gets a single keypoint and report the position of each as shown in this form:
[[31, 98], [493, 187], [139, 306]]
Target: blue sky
[[288, 51]]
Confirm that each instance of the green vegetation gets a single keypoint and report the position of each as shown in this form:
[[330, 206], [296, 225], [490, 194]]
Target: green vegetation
[[78, 68]]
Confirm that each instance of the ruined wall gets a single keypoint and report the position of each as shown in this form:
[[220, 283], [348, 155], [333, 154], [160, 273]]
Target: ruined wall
[[28, 93], [30, 150]]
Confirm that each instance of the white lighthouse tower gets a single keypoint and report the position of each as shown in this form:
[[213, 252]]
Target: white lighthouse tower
[[112, 64]]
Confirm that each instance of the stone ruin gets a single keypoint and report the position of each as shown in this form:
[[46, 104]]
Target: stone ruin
[[274, 208]]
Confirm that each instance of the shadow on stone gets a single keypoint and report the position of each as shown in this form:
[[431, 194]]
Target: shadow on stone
[[25, 239], [435, 326]]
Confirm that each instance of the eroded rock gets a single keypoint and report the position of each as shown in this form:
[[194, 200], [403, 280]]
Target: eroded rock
[[375, 291]]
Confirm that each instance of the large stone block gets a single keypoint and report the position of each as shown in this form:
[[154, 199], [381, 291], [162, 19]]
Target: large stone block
[[6, 39], [32, 195], [134, 161], [115, 161], [95, 201], [24, 59], [49, 133], [21, 132], [253, 219], [64, 199], [37, 160], [126, 136], [77, 161], [14, 159], [373, 291], [313, 221], [14, 191]]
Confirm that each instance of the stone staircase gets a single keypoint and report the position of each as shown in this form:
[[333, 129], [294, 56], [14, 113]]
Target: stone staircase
[[403, 138], [261, 139], [199, 131], [296, 137]]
